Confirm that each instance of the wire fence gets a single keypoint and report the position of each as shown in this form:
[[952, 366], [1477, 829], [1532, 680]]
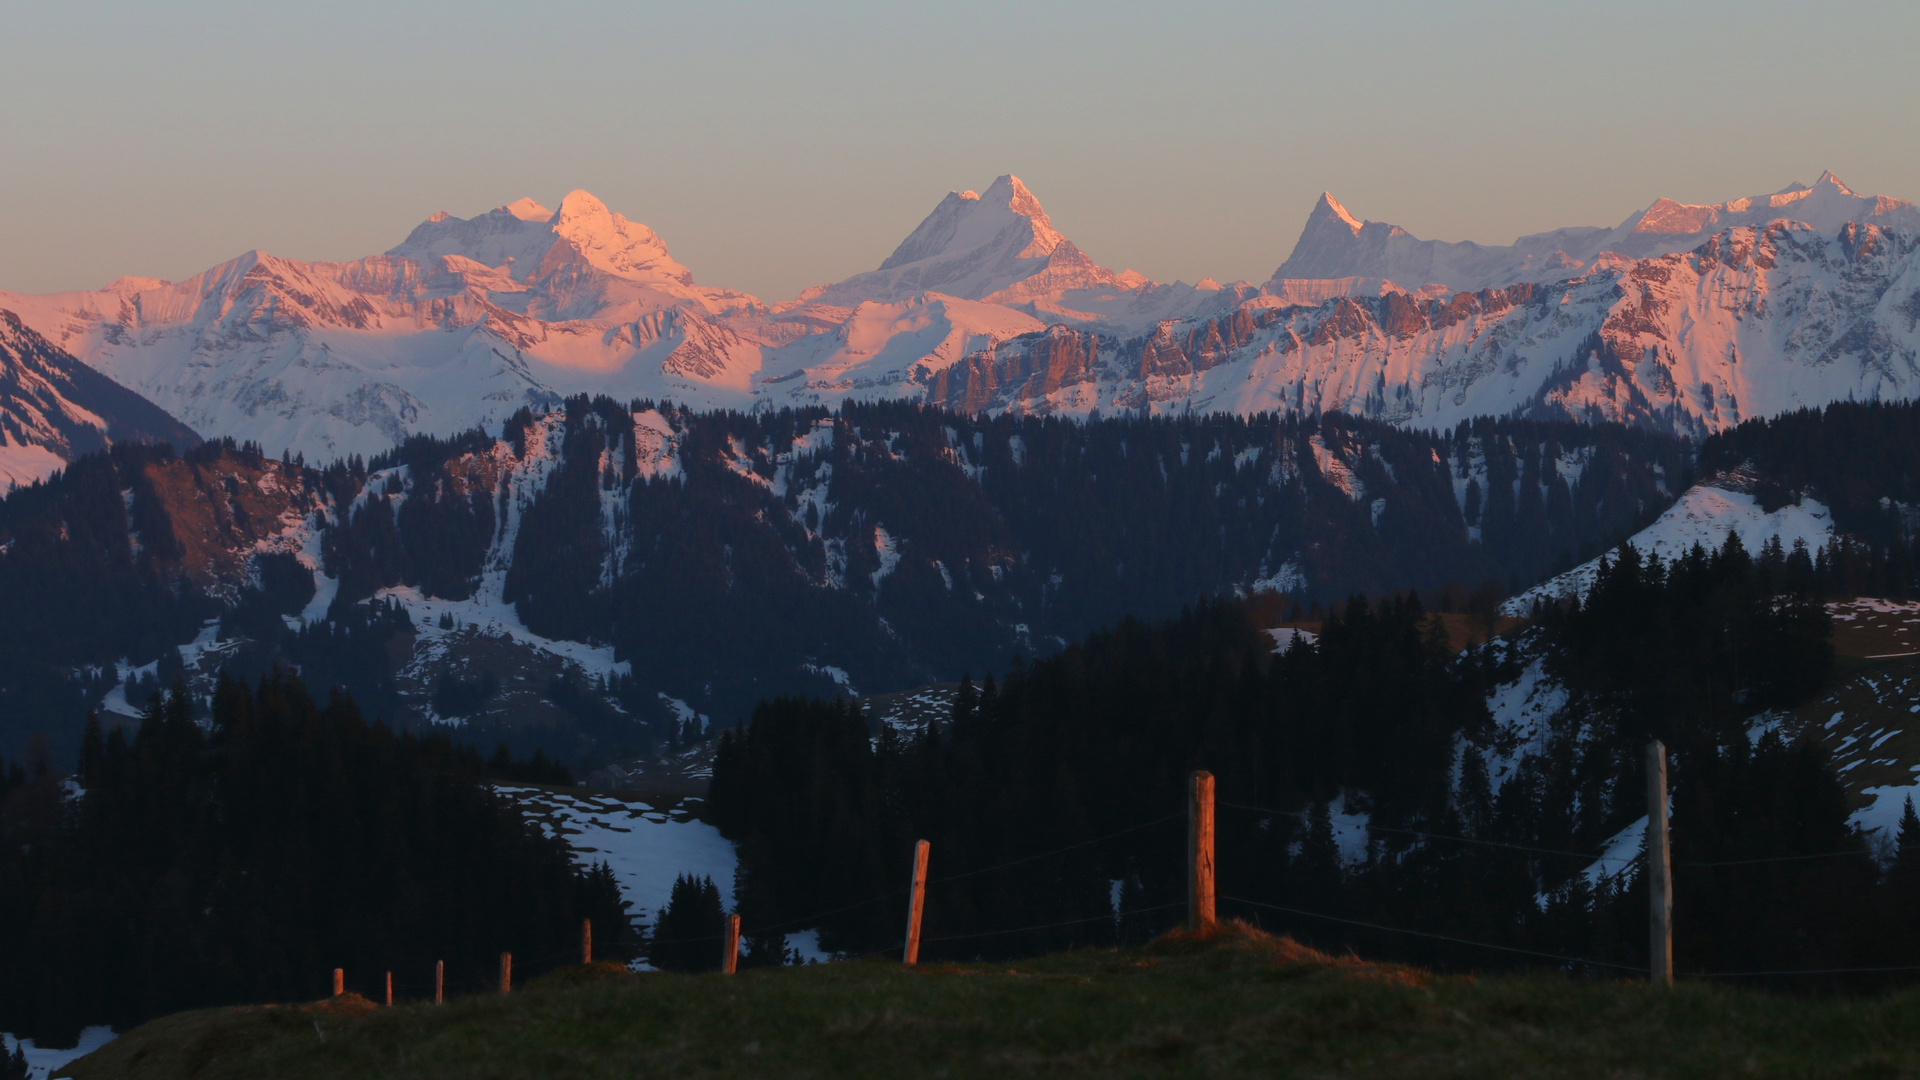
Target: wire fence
[[807, 920], [1119, 914], [1588, 855], [1434, 937]]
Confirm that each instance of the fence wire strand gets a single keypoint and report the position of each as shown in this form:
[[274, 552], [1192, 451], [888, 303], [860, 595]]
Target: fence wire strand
[[1436, 937], [1058, 851], [1434, 836]]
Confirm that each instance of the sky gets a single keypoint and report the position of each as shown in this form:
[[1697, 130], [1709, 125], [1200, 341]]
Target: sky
[[777, 146]]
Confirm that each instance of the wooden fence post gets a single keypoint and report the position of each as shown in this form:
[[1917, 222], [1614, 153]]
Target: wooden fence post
[[730, 951], [389, 988], [1659, 869], [339, 982], [917, 901], [506, 972], [586, 941], [439, 982], [1200, 893]]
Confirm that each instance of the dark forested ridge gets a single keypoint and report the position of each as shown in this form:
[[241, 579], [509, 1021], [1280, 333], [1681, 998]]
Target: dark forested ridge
[[1077, 764], [724, 558], [241, 862]]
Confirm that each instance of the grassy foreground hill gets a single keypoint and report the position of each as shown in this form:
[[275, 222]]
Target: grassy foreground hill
[[1242, 1004]]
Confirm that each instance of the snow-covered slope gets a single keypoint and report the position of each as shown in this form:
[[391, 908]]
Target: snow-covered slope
[[1704, 515], [886, 350], [54, 408]]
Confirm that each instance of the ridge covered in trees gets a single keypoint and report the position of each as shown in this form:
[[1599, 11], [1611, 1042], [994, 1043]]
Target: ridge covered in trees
[[244, 859], [729, 557]]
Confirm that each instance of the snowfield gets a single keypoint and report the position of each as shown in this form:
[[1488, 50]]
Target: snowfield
[[647, 847], [42, 1062]]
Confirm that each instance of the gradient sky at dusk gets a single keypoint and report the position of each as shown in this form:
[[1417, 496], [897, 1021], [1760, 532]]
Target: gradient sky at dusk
[[777, 146]]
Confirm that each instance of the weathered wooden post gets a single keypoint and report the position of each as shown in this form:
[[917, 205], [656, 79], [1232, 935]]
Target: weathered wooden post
[[389, 989], [1200, 893], [730, 951], [917, 901], [506, 972], [439, 982], [1659, 869], [586, 941], [339, 982]]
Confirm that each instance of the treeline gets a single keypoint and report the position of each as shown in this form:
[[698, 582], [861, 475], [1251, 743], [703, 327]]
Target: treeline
[[1077, 764], [243, 860], [1862, 459]]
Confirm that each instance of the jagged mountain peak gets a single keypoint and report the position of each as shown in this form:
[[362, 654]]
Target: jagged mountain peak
[[1008, 191], [997, 244], [522, 236], [1335, 244], [527, 210], [1330, 209], [1826, 205], [609, 242], [1829, 180], [133, 283], [963, 221], [581, 204]]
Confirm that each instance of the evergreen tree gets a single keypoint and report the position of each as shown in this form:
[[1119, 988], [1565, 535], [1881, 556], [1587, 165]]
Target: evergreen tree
[[242, 861], [690, 931], [1314, 875], [1903, 888]]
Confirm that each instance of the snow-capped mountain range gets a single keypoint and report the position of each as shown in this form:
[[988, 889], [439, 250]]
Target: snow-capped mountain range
[[1335, 244], [1686, 318]]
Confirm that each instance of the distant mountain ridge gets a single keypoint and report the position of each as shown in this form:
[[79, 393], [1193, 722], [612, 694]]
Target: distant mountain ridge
[[1335, 244], [1684, 318]]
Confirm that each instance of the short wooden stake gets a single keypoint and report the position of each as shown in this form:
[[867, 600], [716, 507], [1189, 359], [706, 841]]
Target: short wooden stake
[[730, 951], [917, 902], [1200, 892], [389, 988], [339, 982], [439, 982], [506, 972], [586, 941], [1659, 869]]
